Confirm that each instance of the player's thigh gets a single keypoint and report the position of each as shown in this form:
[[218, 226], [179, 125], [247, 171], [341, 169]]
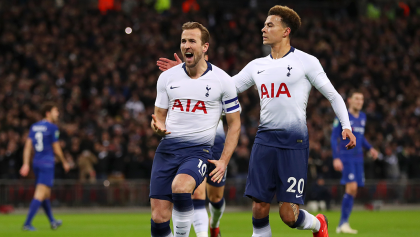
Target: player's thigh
[[349, 173], [44, 175], [164, 170], [200, 191], [161, 210], [292, 168], [215, 193], [190, 174], [211, 167], [260, 183]]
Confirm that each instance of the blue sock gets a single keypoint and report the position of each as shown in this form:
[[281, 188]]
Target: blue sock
[[219, 204], [199, 204], [33, 208], [182, 202], [46, 204], [160, 229], [346, 208], [299, 220], [260, 223]]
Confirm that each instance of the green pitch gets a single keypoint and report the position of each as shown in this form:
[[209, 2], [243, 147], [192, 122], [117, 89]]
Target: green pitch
[[382, 223]]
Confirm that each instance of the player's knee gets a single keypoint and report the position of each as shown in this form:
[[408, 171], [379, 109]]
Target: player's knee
[[288, 218], [199, 194], [180, 188], [161, 216], [215, 197], [260, 209]]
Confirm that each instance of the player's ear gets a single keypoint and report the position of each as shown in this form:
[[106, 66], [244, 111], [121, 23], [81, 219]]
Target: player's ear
[[287, 32], [205, 47]]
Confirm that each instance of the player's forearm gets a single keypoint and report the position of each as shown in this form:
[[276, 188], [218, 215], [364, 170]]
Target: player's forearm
[[337, 104], [231, 141], [27, 152], [58, 152]]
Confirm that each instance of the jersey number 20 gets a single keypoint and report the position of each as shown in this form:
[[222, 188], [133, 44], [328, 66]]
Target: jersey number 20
[[39, 146], [300, 185]]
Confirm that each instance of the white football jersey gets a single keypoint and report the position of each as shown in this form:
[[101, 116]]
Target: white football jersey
[[194, 105], [283, 85]]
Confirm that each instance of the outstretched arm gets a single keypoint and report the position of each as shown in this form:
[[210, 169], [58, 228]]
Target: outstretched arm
[[164, 63]]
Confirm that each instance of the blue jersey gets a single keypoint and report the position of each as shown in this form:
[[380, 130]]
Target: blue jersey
[[339, 146], [43, 134]]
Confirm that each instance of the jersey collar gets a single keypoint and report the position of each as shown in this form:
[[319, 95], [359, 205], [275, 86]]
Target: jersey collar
[[292, 49], [209, 68]]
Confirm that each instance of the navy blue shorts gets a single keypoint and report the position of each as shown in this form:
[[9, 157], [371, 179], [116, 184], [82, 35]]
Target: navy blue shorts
[[277, 171], [44, 175], [167, 165], [215, 156], [353, 172]]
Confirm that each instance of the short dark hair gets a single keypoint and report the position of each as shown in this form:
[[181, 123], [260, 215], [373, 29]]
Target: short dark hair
[[288, 16], [47, 107], [354, 91], [205, 34]]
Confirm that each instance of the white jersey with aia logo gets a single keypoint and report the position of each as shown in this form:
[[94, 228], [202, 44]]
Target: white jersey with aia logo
[[283, 85], [194, 105]]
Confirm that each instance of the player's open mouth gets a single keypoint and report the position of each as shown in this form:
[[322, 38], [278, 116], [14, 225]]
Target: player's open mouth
[[189, 55]]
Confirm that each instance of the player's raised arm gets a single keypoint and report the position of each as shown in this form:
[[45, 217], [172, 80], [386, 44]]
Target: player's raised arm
[[165, 63], [26, 157]]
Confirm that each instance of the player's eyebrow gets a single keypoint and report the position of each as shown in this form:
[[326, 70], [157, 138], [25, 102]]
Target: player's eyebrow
[[269, 23]]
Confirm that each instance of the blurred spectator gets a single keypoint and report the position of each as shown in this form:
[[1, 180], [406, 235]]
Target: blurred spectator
[[85, 163]]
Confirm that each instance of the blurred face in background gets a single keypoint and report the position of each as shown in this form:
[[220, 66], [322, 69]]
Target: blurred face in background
[[192, 48], [53, 114], [274, 30], [356, 101]]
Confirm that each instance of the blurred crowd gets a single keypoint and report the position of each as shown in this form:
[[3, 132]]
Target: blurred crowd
[[104, 82]]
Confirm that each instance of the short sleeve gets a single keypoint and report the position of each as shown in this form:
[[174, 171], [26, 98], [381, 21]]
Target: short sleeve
[[229, 98], [315, 73], [162, 99], [243, 80], [55, 134]]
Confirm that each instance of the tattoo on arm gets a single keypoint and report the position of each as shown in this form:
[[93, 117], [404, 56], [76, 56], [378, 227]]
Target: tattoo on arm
[[295, 208]]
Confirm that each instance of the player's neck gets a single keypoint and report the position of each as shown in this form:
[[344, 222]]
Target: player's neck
[[48, 120], [354, 112], [280, 49], [198, 70]]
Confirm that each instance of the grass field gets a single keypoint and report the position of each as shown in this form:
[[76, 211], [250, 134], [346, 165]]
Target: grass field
[[383, 223]]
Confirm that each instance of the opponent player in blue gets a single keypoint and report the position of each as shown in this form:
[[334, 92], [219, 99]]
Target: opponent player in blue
[[43, 137], [189, 102], [350, 162]]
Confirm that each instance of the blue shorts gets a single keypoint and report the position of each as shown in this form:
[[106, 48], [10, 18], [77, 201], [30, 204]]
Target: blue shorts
[[277, 171], [44, 175], [353, 172], [191, 161], [215, 156]]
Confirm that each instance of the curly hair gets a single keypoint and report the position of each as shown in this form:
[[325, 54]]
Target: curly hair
[[288, 16]]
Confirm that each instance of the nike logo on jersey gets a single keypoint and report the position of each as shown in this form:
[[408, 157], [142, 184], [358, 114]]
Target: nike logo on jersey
[[260, 71], [298, 196], [172, 87]]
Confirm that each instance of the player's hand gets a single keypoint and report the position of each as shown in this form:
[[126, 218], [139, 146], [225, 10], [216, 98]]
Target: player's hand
[[158, 128], [374, 153], [66, 166], [338, 165], [219, 172], [348, 134], [24, 171], [164, 63]]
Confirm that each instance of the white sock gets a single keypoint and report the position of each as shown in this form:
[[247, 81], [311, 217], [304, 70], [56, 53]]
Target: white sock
[[182, 214], [182, 222], [263, 232], [310, 222], [261, 227], [201, 220], [216, 214]]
